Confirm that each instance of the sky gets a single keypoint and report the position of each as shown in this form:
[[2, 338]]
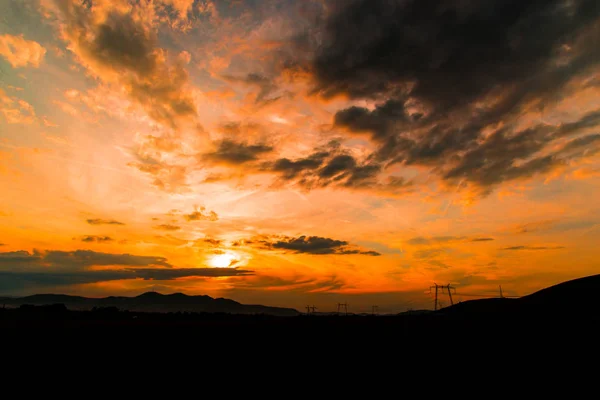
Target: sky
[[299, 152]]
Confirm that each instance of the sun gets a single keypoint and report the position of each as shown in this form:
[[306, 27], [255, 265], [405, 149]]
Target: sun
[[224, 260]]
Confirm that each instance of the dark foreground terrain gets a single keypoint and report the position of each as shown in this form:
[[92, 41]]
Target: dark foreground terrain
[[565, 309]]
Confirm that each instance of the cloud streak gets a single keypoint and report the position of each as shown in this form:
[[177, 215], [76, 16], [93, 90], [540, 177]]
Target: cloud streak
[[519, 248], [100, 221], [167, 227], [96, 239]]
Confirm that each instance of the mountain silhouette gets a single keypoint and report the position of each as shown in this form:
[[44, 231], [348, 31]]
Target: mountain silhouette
[[152, 302]]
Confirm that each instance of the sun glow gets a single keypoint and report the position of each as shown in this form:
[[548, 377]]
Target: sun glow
[[225, 260]]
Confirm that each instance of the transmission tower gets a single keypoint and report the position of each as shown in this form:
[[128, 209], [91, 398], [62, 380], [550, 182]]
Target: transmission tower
[[311, 309], [437, 288], [374, 309], [344, 306]]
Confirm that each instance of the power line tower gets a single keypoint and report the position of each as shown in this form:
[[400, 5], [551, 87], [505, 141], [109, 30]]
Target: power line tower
[[374, 309], [311, 309], [501, 295], [437, 288], [344, 306]]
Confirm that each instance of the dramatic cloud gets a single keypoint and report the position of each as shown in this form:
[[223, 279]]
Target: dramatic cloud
[[533, 248], [20, 52], [97, 239], [99, 221], [200, 214], [450, 79], [167, 227], [120, 45], [234, 153], [330, 165], [310, 245]]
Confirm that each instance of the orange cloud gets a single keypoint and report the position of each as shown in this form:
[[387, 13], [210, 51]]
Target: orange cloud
[[118, 44], [20, 52], [15, 110]]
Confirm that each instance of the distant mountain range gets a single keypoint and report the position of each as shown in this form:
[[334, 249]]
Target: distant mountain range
[[151, 302]]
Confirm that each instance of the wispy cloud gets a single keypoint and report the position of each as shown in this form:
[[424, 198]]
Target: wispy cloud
[[100, 221], [167, 227], [96, 239], [533, 248]]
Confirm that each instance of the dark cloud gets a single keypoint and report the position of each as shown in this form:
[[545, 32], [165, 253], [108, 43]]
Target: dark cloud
[[451, 53], [311, 245], [99, 221], [234, 153], [200, 214], [482, 239], [329, 165], [77, 259], [290, 169], [16, 279], [20, 269], [441, 73], [97, 239], [167, 227], [533, 248], [337, 165]]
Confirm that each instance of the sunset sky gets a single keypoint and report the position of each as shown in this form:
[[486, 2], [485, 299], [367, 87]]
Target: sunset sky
[[294, 152]]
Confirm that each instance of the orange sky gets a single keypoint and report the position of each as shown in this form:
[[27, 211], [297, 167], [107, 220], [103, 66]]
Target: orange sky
[[260, 151]]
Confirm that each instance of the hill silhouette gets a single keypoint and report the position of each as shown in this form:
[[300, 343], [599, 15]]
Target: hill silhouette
[[151, 302], [574, 297]]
